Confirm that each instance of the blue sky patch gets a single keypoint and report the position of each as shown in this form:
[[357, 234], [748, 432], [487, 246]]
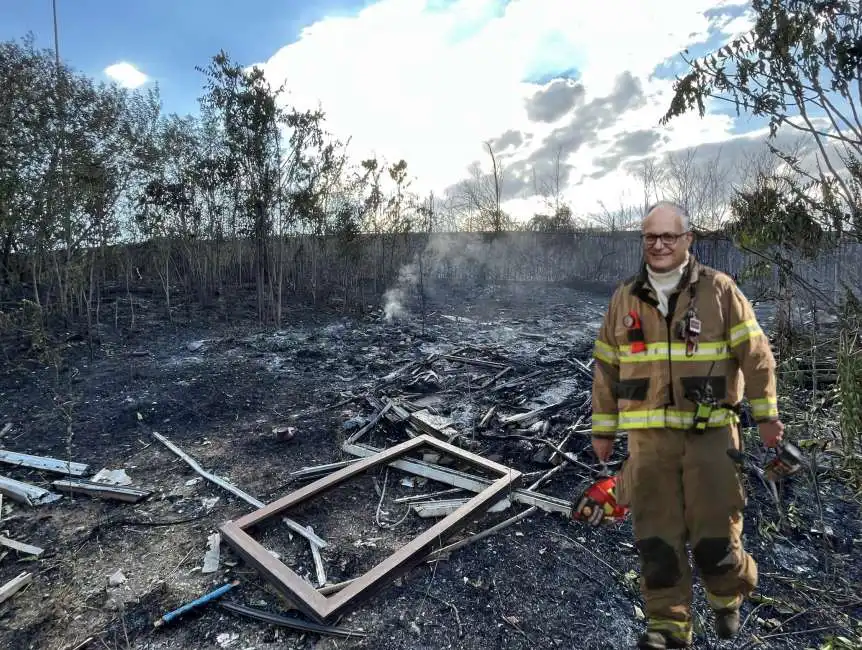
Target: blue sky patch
[[570, 73], [166, 40]]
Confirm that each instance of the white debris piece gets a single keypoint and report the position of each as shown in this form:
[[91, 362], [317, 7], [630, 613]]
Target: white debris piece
[[43, 463], [15, 585], [112, 477], [116, 579], [211, 558], [28, 549], [226, 639], [209, 502]]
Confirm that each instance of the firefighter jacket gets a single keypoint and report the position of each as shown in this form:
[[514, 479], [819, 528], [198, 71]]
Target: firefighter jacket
[[650, 377]]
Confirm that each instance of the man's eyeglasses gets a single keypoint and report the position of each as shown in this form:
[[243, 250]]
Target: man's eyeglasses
[[666, 238]]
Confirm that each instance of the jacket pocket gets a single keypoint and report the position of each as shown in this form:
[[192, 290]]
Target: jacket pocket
[[632, 389], [695, 388]]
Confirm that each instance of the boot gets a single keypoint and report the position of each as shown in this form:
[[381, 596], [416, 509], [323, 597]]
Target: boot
[[727, 623], [660, 641]]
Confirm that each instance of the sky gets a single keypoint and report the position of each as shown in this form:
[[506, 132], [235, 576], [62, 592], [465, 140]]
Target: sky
[[430, 81]]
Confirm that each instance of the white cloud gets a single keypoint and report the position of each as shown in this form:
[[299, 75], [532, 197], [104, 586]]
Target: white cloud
[[126, 75], [430, 83]]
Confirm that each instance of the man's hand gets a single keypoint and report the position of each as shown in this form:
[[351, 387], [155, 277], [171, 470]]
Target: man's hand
[[771, 432], [603, 448]]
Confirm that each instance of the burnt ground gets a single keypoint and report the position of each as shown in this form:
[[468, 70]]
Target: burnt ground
[[219, 390]]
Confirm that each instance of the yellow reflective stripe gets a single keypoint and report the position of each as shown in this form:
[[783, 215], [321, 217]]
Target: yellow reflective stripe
[[646, 419], [656, 352], [605, 422], [606, 353], [743, 331], [764, 407], [684, 419], [680, 630], [672, 419], [718, 603]]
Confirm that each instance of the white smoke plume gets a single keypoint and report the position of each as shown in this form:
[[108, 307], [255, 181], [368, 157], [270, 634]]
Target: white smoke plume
[[396, 298], [460, 258]]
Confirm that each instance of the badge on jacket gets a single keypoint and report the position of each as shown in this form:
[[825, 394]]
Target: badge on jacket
[[635, 332]]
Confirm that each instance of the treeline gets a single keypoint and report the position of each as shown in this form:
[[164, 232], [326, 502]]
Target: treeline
[[87, 166], [251, 194], [102, 194]]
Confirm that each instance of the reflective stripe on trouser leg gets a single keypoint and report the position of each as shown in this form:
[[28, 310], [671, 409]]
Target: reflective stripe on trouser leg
[[680, 630], [715, 498], [721, 603], [654, 489]]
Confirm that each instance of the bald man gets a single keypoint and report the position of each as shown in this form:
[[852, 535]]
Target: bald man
[[677, 345]]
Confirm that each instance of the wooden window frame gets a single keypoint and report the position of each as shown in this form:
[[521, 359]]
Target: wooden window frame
[[309, 600]]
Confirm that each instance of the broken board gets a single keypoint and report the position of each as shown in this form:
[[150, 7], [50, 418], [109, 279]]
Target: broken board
[[305, 597], [43, 463]]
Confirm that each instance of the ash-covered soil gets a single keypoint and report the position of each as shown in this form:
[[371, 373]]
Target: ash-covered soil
[[218, 391]]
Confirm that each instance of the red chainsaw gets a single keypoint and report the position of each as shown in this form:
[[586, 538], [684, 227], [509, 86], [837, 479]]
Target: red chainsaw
[[598, 503]]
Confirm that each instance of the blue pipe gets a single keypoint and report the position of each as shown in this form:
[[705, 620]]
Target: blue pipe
[[167, 618]]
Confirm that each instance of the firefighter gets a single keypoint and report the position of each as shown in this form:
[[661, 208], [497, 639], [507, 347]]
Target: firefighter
[[677, 345]]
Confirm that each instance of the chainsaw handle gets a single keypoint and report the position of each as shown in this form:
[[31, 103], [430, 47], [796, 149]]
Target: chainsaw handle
[[736, 456]]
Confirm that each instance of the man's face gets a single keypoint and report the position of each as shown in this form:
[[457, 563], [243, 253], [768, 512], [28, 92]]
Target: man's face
[[665, 243]]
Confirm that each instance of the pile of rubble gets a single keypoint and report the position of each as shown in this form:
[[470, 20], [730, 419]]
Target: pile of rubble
[[486, 430], [450, 415], [105, 484]]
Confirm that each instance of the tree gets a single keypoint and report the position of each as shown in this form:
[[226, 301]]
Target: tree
[[169, 208], [71, 151], [427, 214], [249, 115], [651, 174], [701, 187], [771, 215], [560, 221], [624, 217], [552, 189], [800, 67], [27, 112], [482, 196], [282, 163], [398, 216]]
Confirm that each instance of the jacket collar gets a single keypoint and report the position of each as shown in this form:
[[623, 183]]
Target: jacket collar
[[642, 288]]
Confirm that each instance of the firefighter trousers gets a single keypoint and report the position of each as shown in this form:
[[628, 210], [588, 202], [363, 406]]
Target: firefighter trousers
[[683, 488]]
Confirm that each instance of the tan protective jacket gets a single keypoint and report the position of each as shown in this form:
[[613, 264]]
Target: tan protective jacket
[[657, 387]]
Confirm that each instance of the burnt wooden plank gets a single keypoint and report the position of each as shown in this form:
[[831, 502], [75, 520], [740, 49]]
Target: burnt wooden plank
[[42, 462], [301, 594], [103, 490]]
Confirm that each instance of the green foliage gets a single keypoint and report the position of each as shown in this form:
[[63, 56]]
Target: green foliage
[[758, 270], [84, 165], [561, 221], [850, 386], [69, 150], [766, 217]]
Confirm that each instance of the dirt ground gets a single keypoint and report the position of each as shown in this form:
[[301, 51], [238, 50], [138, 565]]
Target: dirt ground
[[217, 390]]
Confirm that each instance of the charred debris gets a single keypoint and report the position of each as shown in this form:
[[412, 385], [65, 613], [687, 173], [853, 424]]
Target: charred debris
[[463, 442]]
